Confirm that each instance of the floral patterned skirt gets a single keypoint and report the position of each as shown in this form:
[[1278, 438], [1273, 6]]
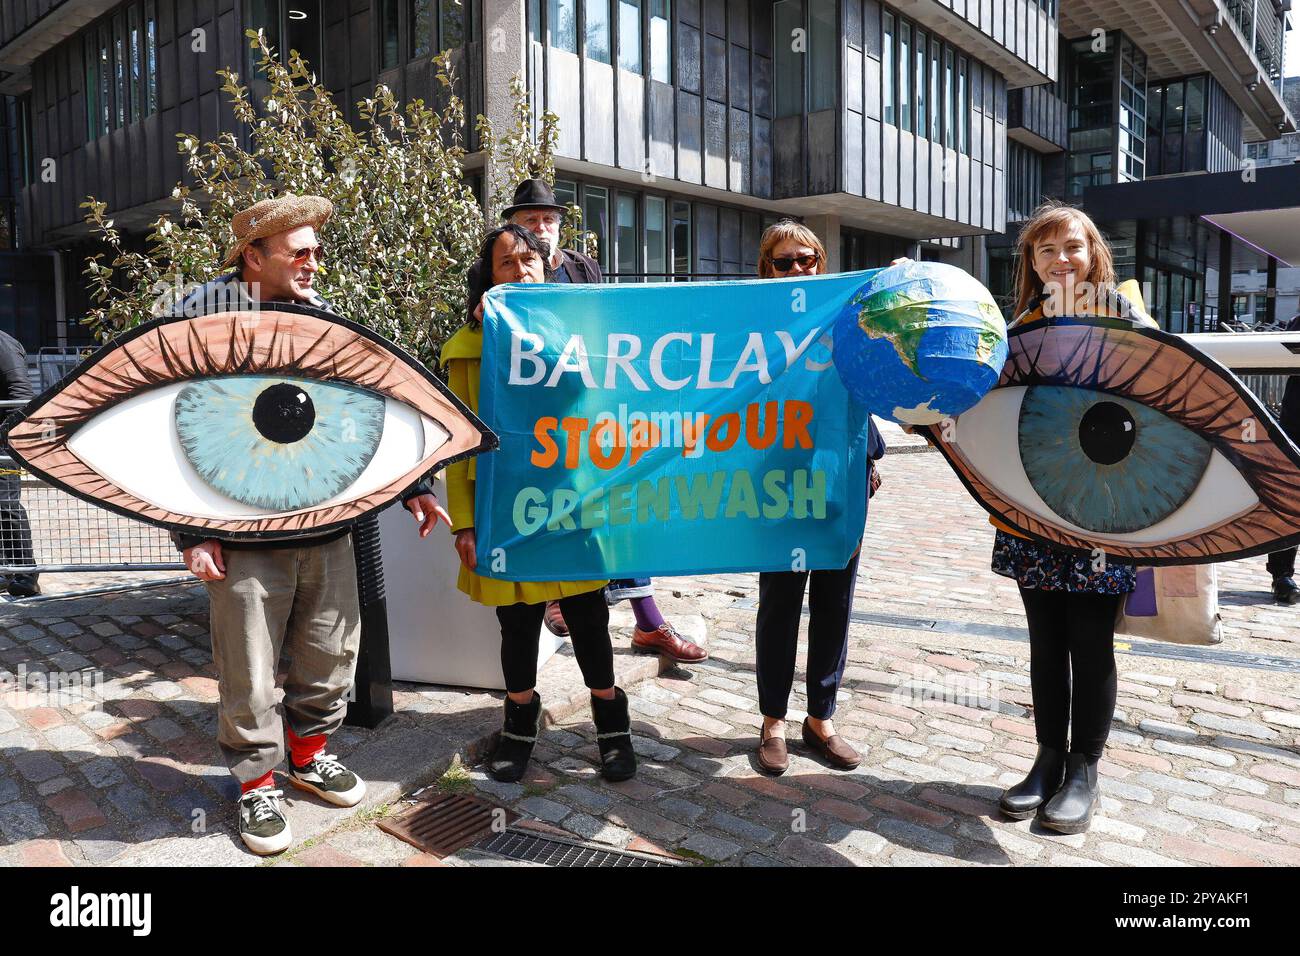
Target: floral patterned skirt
[[1044, 568]]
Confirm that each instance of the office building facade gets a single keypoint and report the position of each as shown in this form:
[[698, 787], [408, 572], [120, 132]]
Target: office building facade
[[920, 127]]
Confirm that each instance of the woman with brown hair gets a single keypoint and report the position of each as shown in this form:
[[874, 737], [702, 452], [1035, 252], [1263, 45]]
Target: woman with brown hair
[[790, 249], [1064, 268]]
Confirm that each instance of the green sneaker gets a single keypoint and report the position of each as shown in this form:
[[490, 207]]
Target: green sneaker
[[329, 780], [262, 823]]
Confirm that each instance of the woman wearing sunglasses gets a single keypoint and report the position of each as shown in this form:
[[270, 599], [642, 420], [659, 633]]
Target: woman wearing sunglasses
[[790, 249]]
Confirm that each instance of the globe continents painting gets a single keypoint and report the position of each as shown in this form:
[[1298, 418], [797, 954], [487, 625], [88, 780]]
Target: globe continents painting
[[920, 342]]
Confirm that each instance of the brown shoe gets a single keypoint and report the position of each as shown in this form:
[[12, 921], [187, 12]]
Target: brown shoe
[[773, 757], [835, 749], [555, 620], [666, 640]]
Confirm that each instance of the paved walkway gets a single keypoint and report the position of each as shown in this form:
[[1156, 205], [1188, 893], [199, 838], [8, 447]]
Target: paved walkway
[[1203, 765]]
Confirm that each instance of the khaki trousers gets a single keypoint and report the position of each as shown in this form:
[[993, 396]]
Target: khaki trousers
[[301, 600]]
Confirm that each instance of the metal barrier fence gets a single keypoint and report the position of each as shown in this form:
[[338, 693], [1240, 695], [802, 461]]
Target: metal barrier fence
[[43, 529]]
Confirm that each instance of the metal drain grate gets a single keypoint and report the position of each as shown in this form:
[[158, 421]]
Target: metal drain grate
[[550, 852], [448, 822]]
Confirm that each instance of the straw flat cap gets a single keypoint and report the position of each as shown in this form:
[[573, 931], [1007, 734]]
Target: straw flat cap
[[273, 216]]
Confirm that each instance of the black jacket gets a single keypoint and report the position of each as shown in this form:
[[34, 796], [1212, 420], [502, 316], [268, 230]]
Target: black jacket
[[580, 267], [224, 293], [14, 383]]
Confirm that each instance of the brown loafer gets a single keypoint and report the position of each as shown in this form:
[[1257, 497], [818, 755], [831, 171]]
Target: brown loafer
[[554, 619], [835, 749], [666, 640], [773, 757]]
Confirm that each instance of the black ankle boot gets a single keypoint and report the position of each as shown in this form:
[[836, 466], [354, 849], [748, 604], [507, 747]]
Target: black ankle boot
[[1070, 811], [614, 736], [515, 745], [1043, 780], [1284, 590]]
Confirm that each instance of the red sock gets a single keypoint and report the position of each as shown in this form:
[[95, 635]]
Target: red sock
[[303, 749], [266, 780]]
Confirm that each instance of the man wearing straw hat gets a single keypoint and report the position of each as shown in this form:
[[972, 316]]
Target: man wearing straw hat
[[299, 594]]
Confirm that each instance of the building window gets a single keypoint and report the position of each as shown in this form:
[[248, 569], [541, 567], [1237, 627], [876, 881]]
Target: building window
[[949, 106], [922, 83], [452, 24], [595, 219], [562, 17], [787, 18], [388, 33], [629, 35], [904, 75], [936, 91], [423, 38], [887, 68], [597, 30], [120, 68], [682, 240], [627, 247], [963, 106], [823, 55], [656, 239], [661, 40]]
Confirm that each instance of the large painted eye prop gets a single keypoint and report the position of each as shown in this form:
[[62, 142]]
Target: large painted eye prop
[[246, 424], [1104, 436]]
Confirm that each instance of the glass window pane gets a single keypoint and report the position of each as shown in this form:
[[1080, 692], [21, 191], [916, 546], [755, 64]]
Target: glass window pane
[[562, 17], [119, 70], [788, 82], [823, 55], [905, 76], [949, 107], [421, 14], [105, 81], [452, 29], [922, 84], [628, 246], [887, 67], [151, 56], [304, 32], [963, 107], [661, 41], [135, 43], [682, 239], [389, 52], [595, 219], [656, 239], [936, 114], [597, 13], [629, 35]]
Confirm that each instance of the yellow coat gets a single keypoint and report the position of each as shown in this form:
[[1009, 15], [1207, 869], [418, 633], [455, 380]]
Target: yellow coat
[[461, 356], [1128, 289]]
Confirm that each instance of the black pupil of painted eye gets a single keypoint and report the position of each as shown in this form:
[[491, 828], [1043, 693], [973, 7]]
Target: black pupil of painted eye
[[1106, 433], [284, 413]]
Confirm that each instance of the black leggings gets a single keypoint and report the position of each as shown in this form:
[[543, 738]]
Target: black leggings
[[588, 618], [1072, 634]]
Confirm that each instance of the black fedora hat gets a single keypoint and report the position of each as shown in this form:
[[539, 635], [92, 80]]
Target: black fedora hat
[[532, 194]]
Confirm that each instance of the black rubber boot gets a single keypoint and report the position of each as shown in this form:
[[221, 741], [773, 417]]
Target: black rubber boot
[[1284, 590], [1070, 811], [614, 736], [518, 735], [1043, 780]]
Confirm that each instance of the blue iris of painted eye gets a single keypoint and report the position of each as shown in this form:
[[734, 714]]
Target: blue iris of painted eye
[[278, 443], [1104, 463]]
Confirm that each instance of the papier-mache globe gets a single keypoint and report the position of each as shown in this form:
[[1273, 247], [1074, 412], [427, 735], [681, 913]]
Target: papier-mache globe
[[920, 342]]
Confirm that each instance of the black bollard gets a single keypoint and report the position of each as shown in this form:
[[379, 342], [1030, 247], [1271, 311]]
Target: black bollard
[[373, 687]]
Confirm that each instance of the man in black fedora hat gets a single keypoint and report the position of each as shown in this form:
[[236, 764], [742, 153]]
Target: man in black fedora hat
[[535, 209]]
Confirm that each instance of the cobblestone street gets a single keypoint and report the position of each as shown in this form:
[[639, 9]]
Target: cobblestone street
[[1202, 765]]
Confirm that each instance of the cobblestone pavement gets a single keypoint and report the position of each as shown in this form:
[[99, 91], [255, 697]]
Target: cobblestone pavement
[[1203, 765]]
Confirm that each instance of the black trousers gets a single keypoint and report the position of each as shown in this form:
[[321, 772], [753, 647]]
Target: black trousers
[[15, 531], [776, 638], [1072, 667], [1281, 564], [588, 618]]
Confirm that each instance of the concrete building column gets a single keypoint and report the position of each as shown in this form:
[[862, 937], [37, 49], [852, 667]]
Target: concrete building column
[[505, 49], [827, 229]]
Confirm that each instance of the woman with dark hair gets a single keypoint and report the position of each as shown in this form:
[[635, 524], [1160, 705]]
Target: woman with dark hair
[[513, 254], [1064, 268]]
